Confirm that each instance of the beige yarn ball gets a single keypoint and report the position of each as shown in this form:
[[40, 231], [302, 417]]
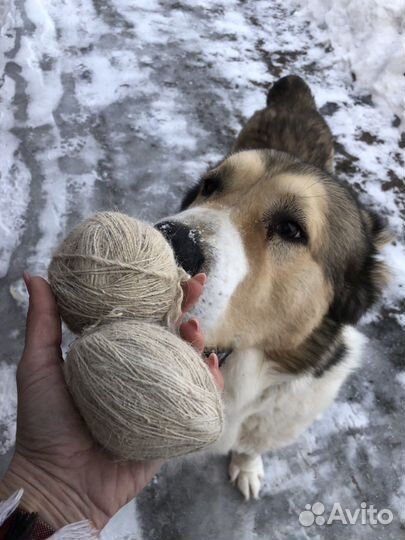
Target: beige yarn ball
[[143, 392], [111, 266]]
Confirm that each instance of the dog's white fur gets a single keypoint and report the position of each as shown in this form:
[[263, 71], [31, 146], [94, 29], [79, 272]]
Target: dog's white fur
[[229, 264], [277, 409]]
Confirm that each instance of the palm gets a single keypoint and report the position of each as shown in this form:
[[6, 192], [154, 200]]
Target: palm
[[50, 431]]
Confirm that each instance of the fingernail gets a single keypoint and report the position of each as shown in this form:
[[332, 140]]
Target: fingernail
[[194, 324], [27, 280], [202, 278], [213, 359]]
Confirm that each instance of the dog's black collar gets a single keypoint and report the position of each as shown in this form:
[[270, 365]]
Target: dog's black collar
[[222, 354]]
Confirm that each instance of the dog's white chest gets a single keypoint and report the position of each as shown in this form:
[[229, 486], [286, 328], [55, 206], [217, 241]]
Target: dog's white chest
[[245, 380], [282, 406]]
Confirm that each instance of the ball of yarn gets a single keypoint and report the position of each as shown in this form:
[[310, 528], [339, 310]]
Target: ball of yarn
[[143, 392], [112, 265]]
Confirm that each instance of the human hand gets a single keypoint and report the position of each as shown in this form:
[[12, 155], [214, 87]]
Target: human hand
[[191, 330], [66, 477]]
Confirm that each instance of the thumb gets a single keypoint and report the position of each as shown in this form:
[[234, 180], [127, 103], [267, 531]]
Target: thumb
[[43, 330]]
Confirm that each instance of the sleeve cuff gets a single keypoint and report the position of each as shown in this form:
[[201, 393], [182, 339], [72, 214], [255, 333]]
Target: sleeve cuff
[[82, 530]]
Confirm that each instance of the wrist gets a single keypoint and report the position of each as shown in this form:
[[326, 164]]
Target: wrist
[[56, 503]]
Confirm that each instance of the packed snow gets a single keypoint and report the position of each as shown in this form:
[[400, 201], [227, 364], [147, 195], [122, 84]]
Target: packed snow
[[8, 404], [369, 41], [119, 103]]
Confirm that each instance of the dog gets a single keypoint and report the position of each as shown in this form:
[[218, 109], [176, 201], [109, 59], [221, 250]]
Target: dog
[[292, 260]]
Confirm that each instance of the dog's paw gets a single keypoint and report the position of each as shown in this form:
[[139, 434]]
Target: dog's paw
[[247, 473]]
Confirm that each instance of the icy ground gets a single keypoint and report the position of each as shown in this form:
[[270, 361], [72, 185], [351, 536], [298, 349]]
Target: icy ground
[[121, 104]]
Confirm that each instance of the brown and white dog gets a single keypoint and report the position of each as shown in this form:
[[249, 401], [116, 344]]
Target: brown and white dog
[[292, 264]]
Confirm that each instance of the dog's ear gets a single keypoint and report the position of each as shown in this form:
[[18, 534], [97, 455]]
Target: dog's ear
[[365, 274], [376, 227], [291, 91], [190, 196]]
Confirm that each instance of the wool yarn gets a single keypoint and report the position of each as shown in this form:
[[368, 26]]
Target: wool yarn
[[111, 266], [143, 392]]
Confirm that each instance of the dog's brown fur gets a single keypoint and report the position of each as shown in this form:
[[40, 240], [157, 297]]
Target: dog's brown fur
[[291, 123], [296, 298]]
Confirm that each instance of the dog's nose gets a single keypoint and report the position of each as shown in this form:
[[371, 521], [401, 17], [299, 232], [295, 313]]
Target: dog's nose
[[185, 243]]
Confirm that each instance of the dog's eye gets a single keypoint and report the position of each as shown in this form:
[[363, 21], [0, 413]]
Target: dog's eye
[[210, 185], [290, 230]]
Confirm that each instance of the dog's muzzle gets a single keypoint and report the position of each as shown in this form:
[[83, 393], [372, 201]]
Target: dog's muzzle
[[186, 245]]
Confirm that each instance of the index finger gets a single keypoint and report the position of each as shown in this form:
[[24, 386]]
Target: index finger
[[192, 290]]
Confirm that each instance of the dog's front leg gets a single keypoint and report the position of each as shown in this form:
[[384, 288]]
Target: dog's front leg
[[246, 471]]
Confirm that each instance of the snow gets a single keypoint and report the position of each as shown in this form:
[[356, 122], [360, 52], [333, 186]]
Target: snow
[[8, 405], [14, 176], [369, 40], [401, 378], [125, 526], [7, 16], [397, 501], [120, 104]]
